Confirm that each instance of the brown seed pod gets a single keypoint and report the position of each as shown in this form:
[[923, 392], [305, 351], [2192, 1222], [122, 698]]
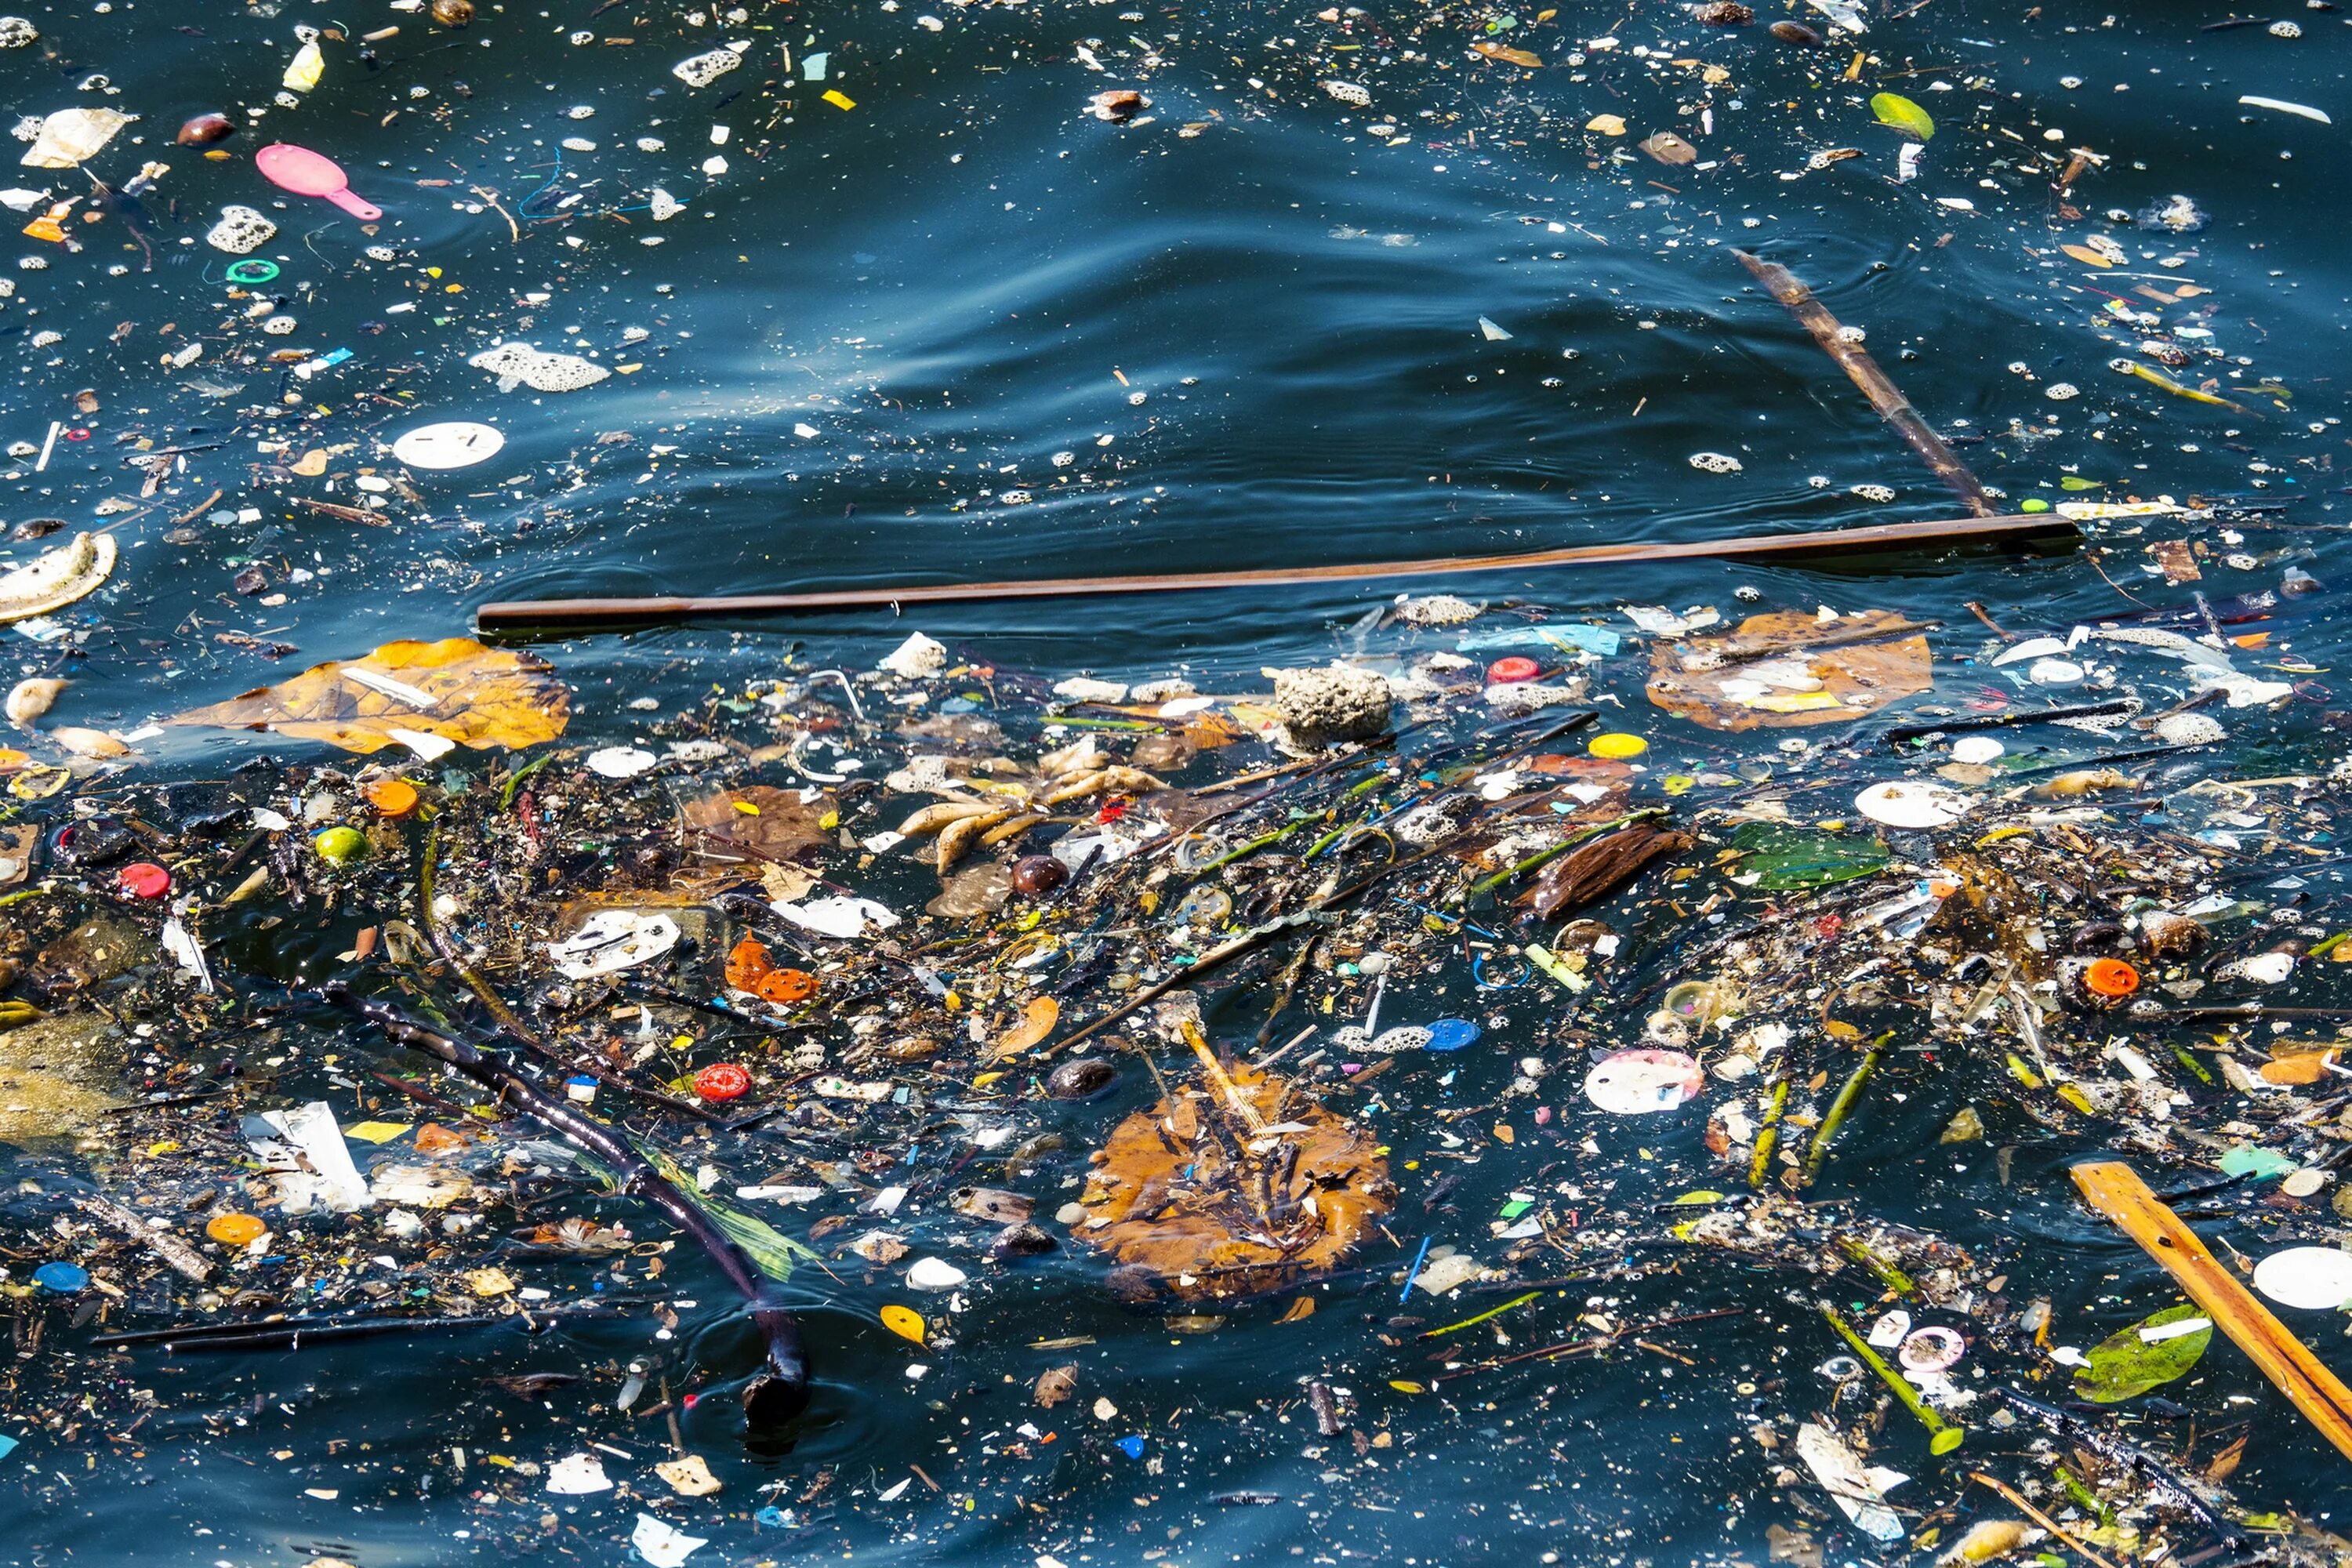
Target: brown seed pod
[[1036, 875], [206, 128], [1796, 32], [2166, 935], [454, 13], [1724, 14]]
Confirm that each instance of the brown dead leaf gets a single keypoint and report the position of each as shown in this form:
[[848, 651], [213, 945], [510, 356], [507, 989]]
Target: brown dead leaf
[[2224, 1465], [1668, 148], [1207, 1206], [2086, 256], [1300, 1309], [457, 689], [1055, 1384], [1037, 1021], [2179, 560], [760, 822], [1788, 668], [1508, 56]]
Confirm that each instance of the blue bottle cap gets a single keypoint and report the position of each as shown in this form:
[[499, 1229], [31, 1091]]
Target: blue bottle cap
[[1452, 1034], [65, 1278]]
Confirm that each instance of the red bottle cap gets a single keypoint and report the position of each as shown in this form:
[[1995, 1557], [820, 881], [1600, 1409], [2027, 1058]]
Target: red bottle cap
[[142, 879], [722, 1080], [1512, 671]]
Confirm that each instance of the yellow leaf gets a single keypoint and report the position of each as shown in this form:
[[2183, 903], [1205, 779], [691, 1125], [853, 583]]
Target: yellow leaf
[[1607, 124], [2086, 256], [1401, 1386], [456, 688], [1037, 1021], [904, 1321]]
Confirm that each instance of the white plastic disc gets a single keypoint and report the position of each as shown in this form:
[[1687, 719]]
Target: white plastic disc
[[1912, 804], [459, 444], [2054, 672], [2314, 1279], [1976, 748]]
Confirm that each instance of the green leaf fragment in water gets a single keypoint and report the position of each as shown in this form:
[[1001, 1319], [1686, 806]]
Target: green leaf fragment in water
[[1778, 859], [2129, 1364], [1894, 109], [772, 1252]]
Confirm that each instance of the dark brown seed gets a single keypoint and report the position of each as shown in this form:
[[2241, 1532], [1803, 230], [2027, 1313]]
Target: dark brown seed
[[1080, 1079], [1036, 875], [453, 13], [206, 128], [1796, 32], [1725, 14]]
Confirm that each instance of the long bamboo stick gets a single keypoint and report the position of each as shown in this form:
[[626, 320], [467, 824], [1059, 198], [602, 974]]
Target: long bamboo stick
[[2016, 530], [1884, 396], [2115, 1191]]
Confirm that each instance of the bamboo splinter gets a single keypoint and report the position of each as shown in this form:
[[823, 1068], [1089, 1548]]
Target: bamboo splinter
[[2115, 1191], [1882, 394]]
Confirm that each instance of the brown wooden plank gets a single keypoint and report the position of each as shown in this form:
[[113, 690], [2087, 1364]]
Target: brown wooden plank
[[2045, 530], [2115, 1191]]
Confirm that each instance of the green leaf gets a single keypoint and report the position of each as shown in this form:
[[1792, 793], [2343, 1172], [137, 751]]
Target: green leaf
[[1788, 859], [772, 1251], [2124, 1365], [1894, 109]]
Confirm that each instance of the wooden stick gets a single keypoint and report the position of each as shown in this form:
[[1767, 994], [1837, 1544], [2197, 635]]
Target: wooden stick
[[1856, 362], [2040, 1518], [2044, 530], [2115, 1191]]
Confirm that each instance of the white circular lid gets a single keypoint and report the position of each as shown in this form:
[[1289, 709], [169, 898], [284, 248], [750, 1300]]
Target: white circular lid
[[1976, 748], [457, 444], [1911, 802], [2315, 1279]]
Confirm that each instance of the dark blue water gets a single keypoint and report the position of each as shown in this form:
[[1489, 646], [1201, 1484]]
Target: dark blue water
[[963, 328]]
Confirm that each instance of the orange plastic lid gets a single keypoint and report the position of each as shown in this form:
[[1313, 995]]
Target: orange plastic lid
[[2111, 977], [235, 1230], [787, 986], [391, 798]]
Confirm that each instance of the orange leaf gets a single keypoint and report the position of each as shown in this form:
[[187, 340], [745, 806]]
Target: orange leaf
[[456, 688], [1037, 1021], [1508, 56], [2086, 256]]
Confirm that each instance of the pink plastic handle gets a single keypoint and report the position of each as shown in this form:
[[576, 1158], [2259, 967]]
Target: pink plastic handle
[[353, 206]]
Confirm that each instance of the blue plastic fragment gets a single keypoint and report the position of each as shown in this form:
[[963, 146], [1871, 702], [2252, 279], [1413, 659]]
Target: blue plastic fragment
[[772, 1517], [1131, 1447], [7, 1444], [65, 1278], [1452, 1034], [1571, 637]]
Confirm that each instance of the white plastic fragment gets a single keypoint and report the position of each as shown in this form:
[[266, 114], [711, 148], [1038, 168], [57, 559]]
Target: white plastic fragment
[[620, 762], [664, 1545], [934, 1274], [577, 1474], [611, 940], [837, 916], [2255, 100], [308, 1163], [71, 135], [1841, 1474]]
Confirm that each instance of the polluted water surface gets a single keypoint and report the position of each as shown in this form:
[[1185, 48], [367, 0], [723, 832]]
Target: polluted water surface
[[1501, 1015]]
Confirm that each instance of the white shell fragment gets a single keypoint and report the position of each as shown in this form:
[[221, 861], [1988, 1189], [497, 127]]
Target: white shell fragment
[[71, 135], [611, 940], [1911, 804], [55, 578], [456, 444], [702, 70], [241, 230], [2309, 1278], [520, 365]]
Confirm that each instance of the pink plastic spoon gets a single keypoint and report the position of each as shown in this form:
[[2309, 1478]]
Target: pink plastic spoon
[[309, 174]]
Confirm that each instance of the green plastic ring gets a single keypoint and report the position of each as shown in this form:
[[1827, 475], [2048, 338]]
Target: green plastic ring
[[251, 271]]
